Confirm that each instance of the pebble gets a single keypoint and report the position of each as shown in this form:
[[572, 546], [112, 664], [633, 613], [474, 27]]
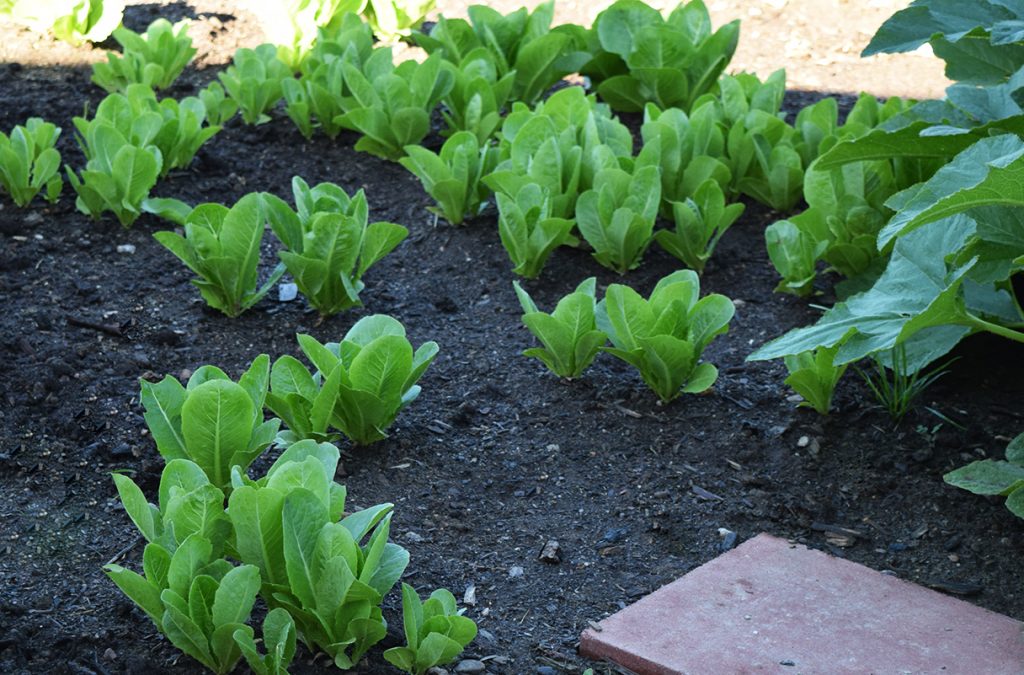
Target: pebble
[[546, 670], [287, 292], [126, 248], [728, 539], [551, 553], [515, 571], [470, 666], [413, 537]]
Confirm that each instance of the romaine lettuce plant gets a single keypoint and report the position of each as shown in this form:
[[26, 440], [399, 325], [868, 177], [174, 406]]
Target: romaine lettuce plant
[[617, 216], [154, 59], [664, 336], [435, 632], [294, 25], [214, 422], [687, 149], [569, 334], [254, 81], [814, 375], [219, 107], [330, 246], [640, 57], [699, 223], [521, 43], [391, 19], [391, 106], [312, 565], [29, 162], [359, 386], [795, 253], [319, 96], [222, 246], [478, 96], [278, 640], [118, 178], [453, 177], [996, 477], [175, 128], [528, 231], [560, 145], [73, 21], [195, 597]]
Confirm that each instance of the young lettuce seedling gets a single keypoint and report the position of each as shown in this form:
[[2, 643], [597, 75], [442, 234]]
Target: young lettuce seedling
[[617, 216], [222, 246], [289, 520], [176, 129], [528, 231], [192, 594], [332, 246], [478, 96], [569, 334], [794, 252], [435, 632], [453, 177], [700, 223], [29, 162], [118, 178], [391, 106], [688, 150], [73, 21], [212, 421], [219, 107], [254, 81], [641, 57], [154, 59], [521, 43], [319, 96], [391, 19], [278, 639], [663, 337], [360, 384], [814, 375]]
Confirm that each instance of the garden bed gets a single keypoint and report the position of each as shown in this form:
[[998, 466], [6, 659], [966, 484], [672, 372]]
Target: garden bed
[[495, 459]]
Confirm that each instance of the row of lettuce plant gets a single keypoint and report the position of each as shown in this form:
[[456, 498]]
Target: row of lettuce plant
[[218, 539]]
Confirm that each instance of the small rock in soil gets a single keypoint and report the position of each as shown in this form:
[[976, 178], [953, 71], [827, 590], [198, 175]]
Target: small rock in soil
[[728, 539], [546, 670], [469, 597], [287, 292], [126, 248], [413, 537], [551, 553], [613, 536], [515, 571], [470, 666]]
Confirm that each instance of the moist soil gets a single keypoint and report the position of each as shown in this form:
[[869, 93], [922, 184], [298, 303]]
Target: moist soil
[[495, 459]]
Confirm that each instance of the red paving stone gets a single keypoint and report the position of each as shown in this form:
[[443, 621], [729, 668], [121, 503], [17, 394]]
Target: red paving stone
[[769, 606]]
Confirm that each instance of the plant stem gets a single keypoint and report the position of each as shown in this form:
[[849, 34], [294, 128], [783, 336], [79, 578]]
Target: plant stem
[[1001, 331]]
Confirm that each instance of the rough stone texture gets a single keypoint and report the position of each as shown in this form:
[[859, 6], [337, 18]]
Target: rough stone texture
[[771, 606]]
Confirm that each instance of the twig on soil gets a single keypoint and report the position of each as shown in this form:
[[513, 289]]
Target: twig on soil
[[108, 328], [123, 551]]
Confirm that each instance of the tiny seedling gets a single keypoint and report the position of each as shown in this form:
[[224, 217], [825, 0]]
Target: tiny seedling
[[895, 384], [29, 162], [359, 386], [222, 246], [664, 336], [219, 106], [814, 375], [435, 632], [569, 334], [118, 178]]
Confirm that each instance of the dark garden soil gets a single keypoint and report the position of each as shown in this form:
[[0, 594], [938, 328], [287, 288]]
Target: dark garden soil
[[495, 459]]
